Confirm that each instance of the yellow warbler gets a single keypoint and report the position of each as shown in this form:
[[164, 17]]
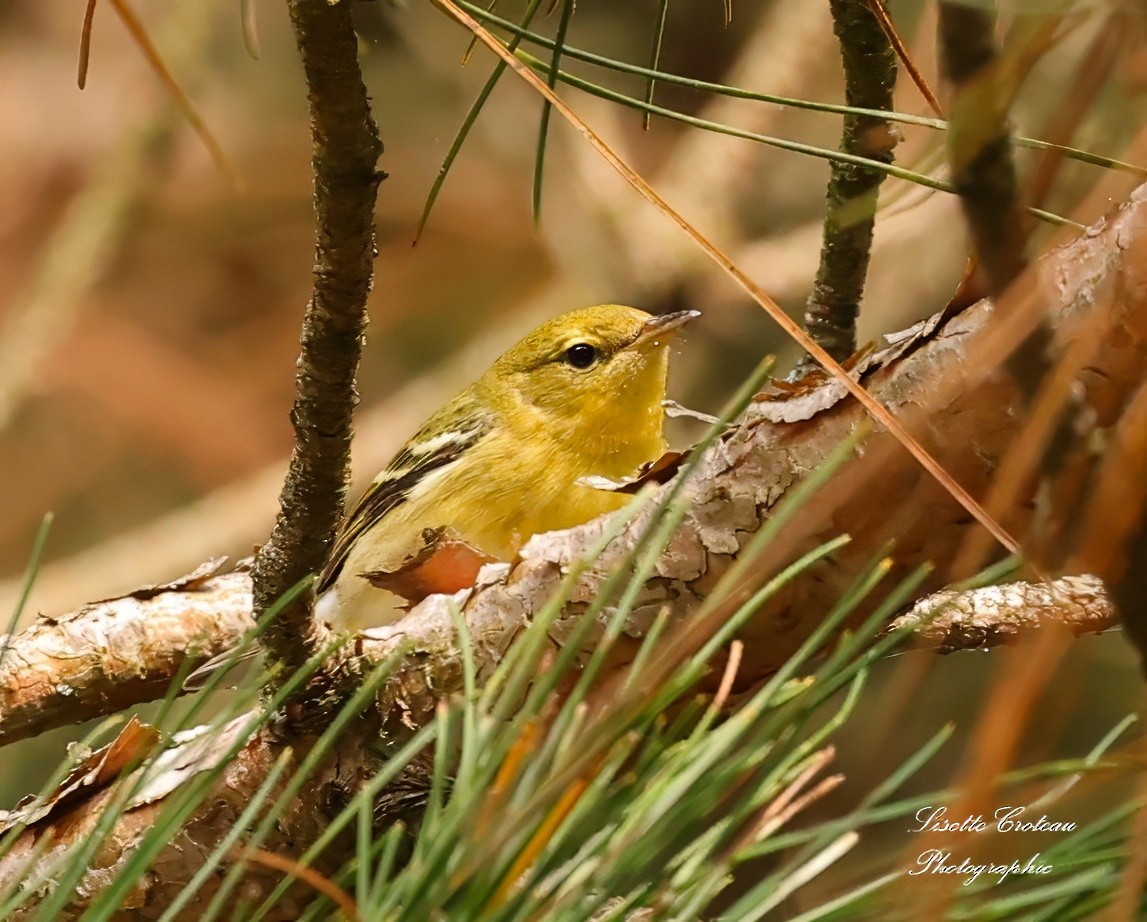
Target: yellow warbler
[[579, 397]]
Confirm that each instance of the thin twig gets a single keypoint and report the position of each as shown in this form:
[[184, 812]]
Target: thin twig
[[870, 77], [85, 44], [346, 148]]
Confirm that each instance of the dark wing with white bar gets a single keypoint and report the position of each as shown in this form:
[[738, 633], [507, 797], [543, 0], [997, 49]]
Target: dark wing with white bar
[[442, 440]]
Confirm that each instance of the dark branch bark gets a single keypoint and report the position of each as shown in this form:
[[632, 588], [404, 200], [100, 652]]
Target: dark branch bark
[[979, 143], [346, 148], [870, 76]]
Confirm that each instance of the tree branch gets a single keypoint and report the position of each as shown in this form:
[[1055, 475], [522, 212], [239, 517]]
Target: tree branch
[[979, 143], [346, 148], [110, 655], [870, 76], [938, 366], [50, 842], [951, 620], [940, 371]]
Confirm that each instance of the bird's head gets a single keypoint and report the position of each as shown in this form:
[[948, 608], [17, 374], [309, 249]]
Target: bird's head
[[597, 373]]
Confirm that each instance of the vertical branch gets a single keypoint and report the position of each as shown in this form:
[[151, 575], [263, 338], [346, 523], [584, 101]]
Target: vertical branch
[[346, 148], [979, 143], [870, 75]]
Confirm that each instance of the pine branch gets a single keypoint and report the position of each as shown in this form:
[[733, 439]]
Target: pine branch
[[346, 151], [977, 618], [870, 76], [110, 655], [980, 145]]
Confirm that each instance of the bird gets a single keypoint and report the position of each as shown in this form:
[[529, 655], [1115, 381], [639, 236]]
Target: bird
[[576, 403]]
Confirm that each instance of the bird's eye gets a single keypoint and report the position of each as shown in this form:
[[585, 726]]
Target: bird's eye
[[581, 355]]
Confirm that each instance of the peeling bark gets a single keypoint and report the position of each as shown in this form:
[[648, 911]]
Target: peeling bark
[[951, 620], [110, 655]]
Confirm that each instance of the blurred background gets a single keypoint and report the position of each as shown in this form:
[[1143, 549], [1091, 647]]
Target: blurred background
[[150, 303]]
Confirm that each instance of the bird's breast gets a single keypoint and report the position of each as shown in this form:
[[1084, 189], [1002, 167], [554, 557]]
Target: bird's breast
[[517, 491]]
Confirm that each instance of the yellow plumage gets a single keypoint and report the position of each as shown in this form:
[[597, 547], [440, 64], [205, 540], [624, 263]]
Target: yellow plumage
[[579, 397]]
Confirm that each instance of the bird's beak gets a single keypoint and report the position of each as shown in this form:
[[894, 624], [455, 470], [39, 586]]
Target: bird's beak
[[656, 328]]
